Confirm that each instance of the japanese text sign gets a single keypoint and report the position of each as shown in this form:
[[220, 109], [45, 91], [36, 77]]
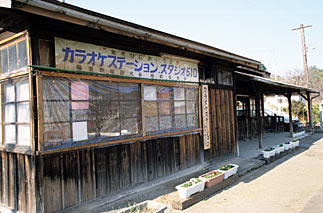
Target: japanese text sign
[[74, 55], [205, 115]]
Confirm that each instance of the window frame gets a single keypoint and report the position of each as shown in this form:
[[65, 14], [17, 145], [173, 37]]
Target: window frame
[[142, 132], [15, 147], [15, 39]]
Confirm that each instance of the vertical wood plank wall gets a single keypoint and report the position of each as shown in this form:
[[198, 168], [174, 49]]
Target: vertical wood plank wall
[[71, 178], [17, 188], [223, 136], [75, 177]]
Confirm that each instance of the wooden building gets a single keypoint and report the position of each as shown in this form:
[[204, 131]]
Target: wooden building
[[94, 107]]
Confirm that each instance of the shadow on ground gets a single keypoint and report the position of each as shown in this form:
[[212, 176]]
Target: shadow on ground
[[246, 166]]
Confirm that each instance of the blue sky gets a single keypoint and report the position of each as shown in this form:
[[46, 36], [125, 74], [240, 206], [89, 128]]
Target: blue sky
[[260, 30]]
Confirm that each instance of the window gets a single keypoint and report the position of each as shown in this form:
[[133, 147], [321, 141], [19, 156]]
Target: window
[[225, 78], [86, 111], [13, 56], [79, 110], [16, 112], [170, 108]]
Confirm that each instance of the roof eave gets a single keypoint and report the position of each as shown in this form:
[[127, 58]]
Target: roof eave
[[80, 16]]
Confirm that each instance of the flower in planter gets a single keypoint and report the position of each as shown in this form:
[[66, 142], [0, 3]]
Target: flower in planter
[[227, 167], [191, 182], [287, 142], [269, 149], [212, 175]]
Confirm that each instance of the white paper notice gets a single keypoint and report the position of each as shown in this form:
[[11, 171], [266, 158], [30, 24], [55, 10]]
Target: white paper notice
[[79, 131]]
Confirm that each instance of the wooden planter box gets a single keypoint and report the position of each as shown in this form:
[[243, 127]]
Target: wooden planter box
[[146, 205], [210, 182]]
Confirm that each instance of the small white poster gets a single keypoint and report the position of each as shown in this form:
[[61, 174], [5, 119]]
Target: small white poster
[[80, 131]]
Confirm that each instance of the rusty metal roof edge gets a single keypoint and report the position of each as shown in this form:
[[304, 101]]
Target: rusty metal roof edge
[[94, 17]]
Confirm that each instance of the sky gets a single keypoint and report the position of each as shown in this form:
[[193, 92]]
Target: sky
[[260, 30]]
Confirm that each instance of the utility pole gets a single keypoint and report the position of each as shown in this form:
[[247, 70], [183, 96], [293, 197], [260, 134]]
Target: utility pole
[[301, 28]]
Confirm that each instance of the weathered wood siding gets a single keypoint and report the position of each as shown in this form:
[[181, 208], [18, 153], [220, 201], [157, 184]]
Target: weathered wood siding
[[17, 182], [75, 177], [222, 118]]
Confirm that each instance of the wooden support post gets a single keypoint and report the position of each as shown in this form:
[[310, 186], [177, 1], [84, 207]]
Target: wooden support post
[[262, 114], [258, 116], [247, 117], [310, 115], [289, 97]]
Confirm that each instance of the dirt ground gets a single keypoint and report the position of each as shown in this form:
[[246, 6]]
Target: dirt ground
[[293, 183]]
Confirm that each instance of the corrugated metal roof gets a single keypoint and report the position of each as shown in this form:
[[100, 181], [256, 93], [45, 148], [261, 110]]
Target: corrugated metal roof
[[269, 81]]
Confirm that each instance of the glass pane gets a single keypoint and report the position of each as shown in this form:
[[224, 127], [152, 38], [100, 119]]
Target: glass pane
[[80, 105], [151, 124], [23, 137], [165, 122], [55, 89], [79, 131], [150, 108], [12, 58], [165, 93], [220, 80], [103, 110], [106, 90], [191, 107], [9, 93], [79, 115], [23, 113], [192, 94], [179, 94], [129, 126], [22, 90], [180, 121], [108, 128], [9, 113], [80, 91], [129, 109], [22, 54], [56, 111], [165, 108], [56, 132], [10, 133], [4, 61], [150, 93], [192, 121], [179, 107], [129, 91]]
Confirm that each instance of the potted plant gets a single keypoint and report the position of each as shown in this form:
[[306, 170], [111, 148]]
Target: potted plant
[[146, 206], [190, 187], [212, 178], [229, 169], [267, 153], [295, 142], [288, 145], [280, 148]]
